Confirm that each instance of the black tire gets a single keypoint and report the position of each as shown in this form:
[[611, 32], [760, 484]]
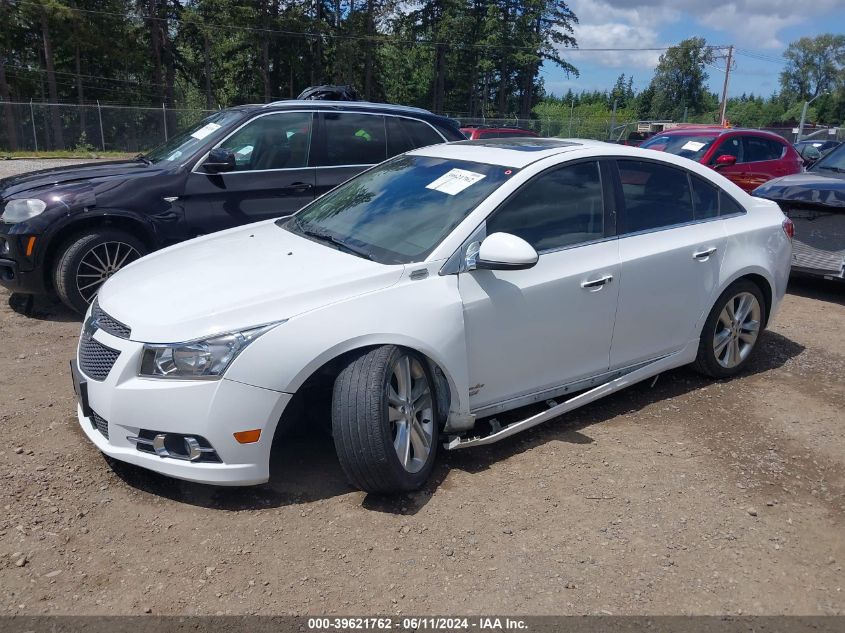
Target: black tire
[[70, 274], [707, 362], [363, 433]]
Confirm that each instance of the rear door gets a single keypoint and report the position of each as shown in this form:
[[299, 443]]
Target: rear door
[[272, 177], [763, 159], [671, 245]]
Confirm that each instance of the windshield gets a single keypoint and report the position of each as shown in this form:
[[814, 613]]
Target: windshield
[[399, 211], [689, 146], [185, 143], [834, 161]]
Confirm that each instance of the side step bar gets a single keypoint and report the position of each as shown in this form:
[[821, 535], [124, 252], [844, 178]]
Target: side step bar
[[500, 433]]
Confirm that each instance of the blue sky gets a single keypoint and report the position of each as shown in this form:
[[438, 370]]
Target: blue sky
[[759, 27]]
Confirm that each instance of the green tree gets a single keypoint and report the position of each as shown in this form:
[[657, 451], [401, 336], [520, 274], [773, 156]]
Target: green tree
[[679, 82], [814, 65]]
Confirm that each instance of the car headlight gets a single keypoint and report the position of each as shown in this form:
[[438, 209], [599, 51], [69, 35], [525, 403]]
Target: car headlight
[[207, 358], [22, 209]]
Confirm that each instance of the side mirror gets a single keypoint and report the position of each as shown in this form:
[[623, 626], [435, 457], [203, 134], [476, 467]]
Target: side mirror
[[219, 160], [503, 251], [725, 160]]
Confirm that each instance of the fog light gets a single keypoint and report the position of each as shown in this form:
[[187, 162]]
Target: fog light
[[248, 437]]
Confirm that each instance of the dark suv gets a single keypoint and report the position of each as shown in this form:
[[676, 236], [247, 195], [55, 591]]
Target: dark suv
[[67, 230]]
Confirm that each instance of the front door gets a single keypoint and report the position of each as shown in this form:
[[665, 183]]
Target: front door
[[272, 177], [671, 246], [536, 329]]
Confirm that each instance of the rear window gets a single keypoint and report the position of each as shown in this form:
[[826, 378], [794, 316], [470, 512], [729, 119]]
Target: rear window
[[692, 146]]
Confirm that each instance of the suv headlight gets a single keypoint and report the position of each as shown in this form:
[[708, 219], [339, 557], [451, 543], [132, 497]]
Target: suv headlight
[[206, 358], [22, 209]]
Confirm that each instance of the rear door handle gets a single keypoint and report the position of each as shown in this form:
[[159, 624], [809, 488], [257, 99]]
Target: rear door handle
[[597, 284], [705, 254], [298, 186]]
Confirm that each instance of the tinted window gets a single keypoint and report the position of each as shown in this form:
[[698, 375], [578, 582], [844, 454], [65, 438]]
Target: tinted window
[[399, 211], [760, 149], [705, 198], [655, 196], [558, 208], [354, 139], [421, 133], [728, 205], [398, 139], [277, 141], [729, 147], [184, 144]]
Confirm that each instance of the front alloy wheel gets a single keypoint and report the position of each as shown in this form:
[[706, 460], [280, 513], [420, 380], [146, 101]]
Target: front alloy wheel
[[385, 421]]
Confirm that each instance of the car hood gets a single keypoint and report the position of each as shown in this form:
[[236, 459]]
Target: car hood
[[234, 280], [16, 185], [812, 187]]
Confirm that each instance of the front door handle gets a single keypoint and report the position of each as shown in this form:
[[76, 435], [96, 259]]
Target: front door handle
[[704, 255], [597, 284], [298, 186]]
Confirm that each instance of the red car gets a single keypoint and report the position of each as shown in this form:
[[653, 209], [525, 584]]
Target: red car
[[475, 133], [747, 157]]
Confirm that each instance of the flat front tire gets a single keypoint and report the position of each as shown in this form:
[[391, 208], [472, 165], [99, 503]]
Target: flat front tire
[[731, 331], [87, 260], [384, 420]]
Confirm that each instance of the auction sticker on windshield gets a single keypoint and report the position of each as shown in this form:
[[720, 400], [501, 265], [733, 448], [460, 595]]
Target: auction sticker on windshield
[[455, 181], [693, 146], [205, 130]]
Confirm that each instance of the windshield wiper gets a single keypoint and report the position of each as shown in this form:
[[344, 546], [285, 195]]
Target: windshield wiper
[[143, 159], [838, 170], [336, 241]]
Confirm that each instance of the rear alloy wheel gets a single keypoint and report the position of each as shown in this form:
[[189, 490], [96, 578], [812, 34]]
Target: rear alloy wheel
[[384, 420], [87, 261], [731, 331]]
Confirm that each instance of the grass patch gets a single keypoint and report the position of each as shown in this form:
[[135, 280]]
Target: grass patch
[[69, 153]]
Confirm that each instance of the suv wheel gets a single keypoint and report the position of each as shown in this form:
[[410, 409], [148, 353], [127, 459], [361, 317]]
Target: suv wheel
[[731, 331], [87, 260], [384, 420]]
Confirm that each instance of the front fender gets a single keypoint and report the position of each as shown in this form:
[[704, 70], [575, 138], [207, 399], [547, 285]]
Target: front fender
[[425, 315]]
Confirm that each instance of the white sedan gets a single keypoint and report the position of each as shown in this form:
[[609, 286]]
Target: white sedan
[[415, 303]]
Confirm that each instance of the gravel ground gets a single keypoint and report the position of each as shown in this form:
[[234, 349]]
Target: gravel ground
[[20, 165], [691, 496]]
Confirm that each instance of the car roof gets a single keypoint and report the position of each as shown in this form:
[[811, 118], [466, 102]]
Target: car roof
[[508, 152], [715, 130]]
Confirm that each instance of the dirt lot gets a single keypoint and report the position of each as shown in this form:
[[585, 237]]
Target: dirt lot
[[686, 497]]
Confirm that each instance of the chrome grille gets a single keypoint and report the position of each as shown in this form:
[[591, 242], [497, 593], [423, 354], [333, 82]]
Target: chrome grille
[[108, 323], [95, 359], [100, 424]]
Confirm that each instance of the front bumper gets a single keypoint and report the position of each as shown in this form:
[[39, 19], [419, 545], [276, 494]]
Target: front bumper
[[212, 409]]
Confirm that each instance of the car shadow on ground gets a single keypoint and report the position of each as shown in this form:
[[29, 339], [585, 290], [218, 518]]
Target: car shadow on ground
[[42, 308], [818, 289], [304, 467]]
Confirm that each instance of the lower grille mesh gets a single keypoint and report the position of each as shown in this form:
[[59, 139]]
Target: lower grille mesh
[[100, 424], [95, 359]]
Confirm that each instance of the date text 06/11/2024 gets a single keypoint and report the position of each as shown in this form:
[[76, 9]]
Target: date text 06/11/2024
[[417, 624]]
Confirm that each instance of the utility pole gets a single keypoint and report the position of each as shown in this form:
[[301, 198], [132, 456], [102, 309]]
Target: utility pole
[[724, 109], [804, 115], [612, 129]]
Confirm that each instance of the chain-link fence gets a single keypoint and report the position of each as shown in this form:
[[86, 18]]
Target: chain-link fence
[[48, 127], [45, 127]]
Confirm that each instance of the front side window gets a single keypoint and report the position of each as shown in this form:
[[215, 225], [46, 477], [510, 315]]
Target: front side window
[[559, 208], [354, 139], [729, 147], [759, 149], [398, 212], [275, 141], [655, 196]]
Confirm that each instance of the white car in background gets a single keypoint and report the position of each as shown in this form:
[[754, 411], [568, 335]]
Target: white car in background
[[423, 298]]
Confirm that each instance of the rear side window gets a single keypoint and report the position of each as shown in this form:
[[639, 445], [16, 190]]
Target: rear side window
[[758, 149], [705, 198], [655, 196], [559, 208], [354, 139], [421, 133]]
